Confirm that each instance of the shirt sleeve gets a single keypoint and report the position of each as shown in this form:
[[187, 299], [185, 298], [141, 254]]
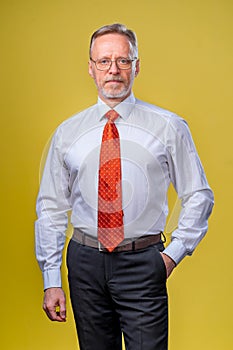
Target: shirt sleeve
[[189, 180], [53, 204]]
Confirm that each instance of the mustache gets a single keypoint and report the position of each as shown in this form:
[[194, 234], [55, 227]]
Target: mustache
[[113, 79]]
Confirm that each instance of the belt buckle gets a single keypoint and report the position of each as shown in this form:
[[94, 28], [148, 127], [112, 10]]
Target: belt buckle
[[100, 248]]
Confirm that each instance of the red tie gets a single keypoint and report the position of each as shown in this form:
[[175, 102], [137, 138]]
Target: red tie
[[110, 214]]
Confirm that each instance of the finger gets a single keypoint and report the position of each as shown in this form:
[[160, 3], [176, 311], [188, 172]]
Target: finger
[[52, 314], [62, 311]]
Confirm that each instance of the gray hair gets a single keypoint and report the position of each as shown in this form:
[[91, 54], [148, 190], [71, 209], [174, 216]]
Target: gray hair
[[118, 29]]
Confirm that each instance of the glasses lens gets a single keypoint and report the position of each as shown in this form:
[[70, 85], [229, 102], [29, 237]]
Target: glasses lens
[[124, 63], [103, 64]]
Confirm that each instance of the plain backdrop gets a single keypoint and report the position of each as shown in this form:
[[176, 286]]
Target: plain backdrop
[[186, 66]]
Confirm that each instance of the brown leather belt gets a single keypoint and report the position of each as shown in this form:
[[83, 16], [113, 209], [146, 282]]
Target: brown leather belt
[[126, 245]]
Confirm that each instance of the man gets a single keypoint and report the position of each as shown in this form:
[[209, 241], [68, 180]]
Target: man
[[117, 263]]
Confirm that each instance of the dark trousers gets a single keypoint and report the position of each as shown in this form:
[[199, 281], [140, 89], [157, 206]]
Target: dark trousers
[[115, 293]]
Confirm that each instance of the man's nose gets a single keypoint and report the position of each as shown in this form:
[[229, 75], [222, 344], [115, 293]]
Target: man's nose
[[114, 68]]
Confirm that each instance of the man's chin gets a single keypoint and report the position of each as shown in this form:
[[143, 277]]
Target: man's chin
[[114, 94]]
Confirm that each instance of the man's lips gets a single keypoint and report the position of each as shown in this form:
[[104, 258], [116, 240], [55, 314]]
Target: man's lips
[[114, 79], [113, 82]]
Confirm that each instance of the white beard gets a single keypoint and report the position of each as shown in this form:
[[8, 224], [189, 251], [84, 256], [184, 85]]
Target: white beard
[[114, 94]]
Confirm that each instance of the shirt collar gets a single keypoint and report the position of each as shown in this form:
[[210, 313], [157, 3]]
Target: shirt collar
[[123, 109]]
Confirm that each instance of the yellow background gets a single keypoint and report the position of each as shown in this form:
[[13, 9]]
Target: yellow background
[[186, 66]]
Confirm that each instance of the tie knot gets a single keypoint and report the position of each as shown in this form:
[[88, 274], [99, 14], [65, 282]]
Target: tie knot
[[112, 115]]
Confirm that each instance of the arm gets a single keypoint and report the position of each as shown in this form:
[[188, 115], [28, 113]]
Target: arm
[[50, 228], [188, 178]]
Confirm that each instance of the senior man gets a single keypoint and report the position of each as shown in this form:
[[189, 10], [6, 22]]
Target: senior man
[[111, 166]]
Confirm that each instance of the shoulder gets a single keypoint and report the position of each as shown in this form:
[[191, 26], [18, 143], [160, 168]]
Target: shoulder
[[163, 123], [159, 114], [73, 127], [78, 117], [76, 122]]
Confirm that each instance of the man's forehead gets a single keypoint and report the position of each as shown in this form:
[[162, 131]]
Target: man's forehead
[[111, 40]]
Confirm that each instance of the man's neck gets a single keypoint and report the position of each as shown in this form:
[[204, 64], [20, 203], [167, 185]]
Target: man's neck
[[113, 102]]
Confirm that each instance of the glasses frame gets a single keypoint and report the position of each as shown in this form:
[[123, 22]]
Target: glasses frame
[[102, 70]]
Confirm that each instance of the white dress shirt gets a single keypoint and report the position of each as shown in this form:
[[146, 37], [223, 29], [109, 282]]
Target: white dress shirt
[[156, 149]]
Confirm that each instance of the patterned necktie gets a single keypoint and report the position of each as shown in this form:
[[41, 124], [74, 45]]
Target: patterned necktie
[[110, 214]]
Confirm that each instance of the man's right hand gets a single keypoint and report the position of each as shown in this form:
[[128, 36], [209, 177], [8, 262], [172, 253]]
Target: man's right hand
[[55, 304]]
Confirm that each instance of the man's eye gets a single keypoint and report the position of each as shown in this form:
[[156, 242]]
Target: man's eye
[[104, 61], [123, 61]]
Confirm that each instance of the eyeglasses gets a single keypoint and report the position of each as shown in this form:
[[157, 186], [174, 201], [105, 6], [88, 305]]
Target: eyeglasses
[[106, 63]]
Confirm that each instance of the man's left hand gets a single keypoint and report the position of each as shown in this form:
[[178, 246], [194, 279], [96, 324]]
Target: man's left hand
[[169, 263]]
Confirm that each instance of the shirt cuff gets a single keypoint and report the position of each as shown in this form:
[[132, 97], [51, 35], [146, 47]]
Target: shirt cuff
[[176, 250], [52, 278]]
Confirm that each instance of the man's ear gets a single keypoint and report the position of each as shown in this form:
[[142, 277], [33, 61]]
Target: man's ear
[[137, 67], [90, 69]]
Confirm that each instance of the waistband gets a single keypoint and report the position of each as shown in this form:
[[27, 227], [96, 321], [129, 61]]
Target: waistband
[[126, 245]]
